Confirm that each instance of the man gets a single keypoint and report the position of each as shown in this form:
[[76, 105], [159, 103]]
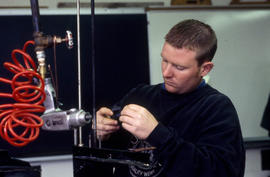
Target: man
[[188, 128]]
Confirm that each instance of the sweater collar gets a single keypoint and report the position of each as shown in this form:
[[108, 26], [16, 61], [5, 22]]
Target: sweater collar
[[202, 84]]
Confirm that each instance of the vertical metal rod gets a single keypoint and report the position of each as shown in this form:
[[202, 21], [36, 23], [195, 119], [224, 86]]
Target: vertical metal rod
[[75, 132], [94, 142], [79, 131]]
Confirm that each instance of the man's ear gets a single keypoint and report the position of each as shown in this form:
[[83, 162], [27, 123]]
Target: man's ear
[[206, 67]]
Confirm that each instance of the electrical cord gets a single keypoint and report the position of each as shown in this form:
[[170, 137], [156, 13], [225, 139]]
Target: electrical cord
[[19, 122]]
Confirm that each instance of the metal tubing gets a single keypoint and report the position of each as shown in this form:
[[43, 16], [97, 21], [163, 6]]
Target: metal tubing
[[35, 14], [75, 133], [79, 53], [78, 132]]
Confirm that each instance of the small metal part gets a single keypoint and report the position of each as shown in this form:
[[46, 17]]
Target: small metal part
[[57, 40], [69, 39], [41, 55], [41, 63], [78, 118]]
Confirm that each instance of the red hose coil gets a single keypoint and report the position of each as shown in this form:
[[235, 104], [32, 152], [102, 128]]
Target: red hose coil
[[19, 124]]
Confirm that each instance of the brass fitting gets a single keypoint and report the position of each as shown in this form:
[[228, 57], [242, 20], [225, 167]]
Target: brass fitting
[[41, 63]]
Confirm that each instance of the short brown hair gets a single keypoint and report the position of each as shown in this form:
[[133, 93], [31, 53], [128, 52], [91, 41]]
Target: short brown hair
[[196, 36]]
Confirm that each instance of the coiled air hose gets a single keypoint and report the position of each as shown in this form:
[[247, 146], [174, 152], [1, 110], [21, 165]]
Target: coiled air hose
[[19, 120]]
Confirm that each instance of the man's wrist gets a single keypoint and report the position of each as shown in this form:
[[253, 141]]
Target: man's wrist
[[159, 135]]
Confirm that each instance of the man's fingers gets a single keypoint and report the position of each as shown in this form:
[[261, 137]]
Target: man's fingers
[[105, 112], [127, 120], [127, 111], [128, 127], [133, 110], [105, 132], [135, 107], [105, 125], [138, 120], [107, 121], [107, 128]]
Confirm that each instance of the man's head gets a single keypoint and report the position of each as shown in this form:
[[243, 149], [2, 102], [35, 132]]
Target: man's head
[[186, 55], [196, 36]]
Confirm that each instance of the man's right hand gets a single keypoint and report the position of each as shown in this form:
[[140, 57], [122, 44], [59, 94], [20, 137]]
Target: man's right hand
[[105, 125]]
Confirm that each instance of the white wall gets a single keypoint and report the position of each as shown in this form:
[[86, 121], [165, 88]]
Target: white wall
[[253, 164], [53, 166]]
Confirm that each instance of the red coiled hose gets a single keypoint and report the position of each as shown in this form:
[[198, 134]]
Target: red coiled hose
[[19, 124]]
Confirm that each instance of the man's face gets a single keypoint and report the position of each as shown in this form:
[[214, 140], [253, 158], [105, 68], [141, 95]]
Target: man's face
[[180, 69]]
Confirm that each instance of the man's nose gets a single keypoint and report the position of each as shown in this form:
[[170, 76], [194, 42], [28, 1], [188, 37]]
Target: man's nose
[[167, 70]]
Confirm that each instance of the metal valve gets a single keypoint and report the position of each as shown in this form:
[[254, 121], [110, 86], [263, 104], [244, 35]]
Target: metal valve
[[69, 40]]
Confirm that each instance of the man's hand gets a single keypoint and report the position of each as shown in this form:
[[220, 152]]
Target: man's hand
[[138, 121], [105, 125]]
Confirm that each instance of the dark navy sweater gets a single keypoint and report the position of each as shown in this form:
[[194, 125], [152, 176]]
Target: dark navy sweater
[[198, 134]]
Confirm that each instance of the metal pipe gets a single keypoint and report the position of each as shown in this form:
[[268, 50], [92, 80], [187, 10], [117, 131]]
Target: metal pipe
[[79, 131], [75, 132], [37, 34], [35, 15]]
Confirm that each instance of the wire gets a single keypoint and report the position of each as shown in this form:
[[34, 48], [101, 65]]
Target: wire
[[94, 132], [55, 80], [19, 124]]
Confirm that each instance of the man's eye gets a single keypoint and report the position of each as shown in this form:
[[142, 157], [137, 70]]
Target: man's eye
[[181, 68]]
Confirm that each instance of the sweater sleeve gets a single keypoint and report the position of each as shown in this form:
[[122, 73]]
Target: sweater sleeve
[[217, 151]]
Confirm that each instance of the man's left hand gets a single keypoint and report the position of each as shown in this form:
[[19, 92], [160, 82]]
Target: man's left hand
[[138, 121]]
